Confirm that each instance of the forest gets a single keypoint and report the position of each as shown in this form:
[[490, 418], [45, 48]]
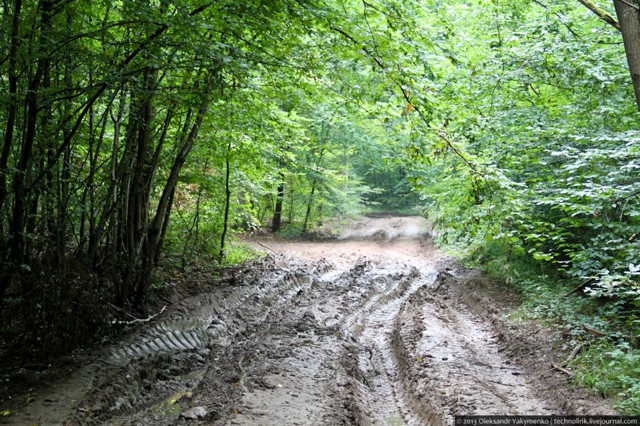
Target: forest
[[139, 136]]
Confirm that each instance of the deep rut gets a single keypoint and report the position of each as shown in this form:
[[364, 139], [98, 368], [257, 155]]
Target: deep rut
[[379, 393], [377, 329]]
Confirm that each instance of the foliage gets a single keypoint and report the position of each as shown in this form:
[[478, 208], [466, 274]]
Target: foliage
[[544, 122], [607, 363], [529, 164], [133, 130], [612, 370]]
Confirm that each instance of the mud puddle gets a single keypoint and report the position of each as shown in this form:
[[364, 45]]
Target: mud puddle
[[375, 328]]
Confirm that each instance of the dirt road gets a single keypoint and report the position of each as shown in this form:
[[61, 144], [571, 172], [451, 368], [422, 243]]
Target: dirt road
[[374, 328]]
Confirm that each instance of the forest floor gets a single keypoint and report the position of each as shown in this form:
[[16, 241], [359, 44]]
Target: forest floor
[[373, 328]]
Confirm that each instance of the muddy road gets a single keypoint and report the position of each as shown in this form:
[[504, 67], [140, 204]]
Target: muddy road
[[374, 328]]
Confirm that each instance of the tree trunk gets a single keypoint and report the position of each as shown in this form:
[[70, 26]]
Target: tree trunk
[[12, 108], [132, 206], [309, 206], [227, 202], [628, 12], [277, 214], [21, 202], [110, 204], [6, 273], [155, 231]]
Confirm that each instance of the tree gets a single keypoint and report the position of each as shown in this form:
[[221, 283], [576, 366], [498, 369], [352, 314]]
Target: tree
[[628, 12], [94, 142]]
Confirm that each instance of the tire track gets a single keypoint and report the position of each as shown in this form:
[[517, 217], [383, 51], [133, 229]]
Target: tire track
[[381, 398], [168, 358], [215, 323], [347, 332]]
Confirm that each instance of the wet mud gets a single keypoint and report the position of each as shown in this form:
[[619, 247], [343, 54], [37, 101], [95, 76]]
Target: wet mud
[[374, 328]]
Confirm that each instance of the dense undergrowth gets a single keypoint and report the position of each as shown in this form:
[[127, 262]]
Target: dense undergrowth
[[71, 310], [533, 172]]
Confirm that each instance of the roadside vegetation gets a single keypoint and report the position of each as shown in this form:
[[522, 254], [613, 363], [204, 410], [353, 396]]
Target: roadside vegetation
[[145, 135], [547, 194], [601, 348]]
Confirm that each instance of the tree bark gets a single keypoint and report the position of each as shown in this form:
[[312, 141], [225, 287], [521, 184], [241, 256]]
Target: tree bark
[[628, 12]]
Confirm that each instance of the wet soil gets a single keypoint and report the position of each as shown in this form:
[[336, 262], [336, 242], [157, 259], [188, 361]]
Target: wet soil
[[373, 328]]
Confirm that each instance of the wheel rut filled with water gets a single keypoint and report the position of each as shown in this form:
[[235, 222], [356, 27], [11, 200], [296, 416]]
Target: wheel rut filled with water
[[375, 328]]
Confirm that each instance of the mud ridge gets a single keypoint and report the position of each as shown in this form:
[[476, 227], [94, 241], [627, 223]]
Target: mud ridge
[[454, 363], [162, 362], [403, 351], [379, 395], [529, 345], [377, 328], [190, 329]]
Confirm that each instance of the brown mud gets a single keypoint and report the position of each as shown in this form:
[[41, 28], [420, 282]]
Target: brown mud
[[374, 328]]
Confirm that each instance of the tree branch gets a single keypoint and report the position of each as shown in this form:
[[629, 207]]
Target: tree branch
[[544, 6], [602, 14], [628, 3], [407, 98], [157, 34]]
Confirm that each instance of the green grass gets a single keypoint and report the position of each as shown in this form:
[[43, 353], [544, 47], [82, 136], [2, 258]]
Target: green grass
[[403, 211], [612, 370], [237, 253]]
